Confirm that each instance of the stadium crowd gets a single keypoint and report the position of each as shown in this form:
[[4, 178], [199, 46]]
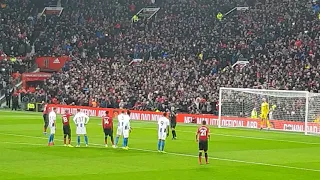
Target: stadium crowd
[[18, 25], [186, 52]]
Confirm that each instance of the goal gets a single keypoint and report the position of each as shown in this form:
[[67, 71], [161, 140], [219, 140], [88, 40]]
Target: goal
[[297, 111]]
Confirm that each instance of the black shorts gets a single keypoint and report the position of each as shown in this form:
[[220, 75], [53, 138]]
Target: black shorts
[[203, 145], [107, 132], [67, 130], [45, 118]]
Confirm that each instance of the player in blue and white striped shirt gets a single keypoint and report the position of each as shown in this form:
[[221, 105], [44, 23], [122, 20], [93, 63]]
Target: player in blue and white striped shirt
[[81, 120], [126, 130], [121, 118], [52, 125]]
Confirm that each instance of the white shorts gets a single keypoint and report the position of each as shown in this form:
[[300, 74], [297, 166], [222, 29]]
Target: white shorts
[[126, 133], [52, 130], [119, 131], [162, 135], [81, 130]]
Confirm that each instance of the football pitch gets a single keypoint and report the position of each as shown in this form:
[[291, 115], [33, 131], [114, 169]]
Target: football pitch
[[235, 154]]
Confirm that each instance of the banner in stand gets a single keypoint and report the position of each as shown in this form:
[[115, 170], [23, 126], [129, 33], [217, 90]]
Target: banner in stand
[[52, 63]]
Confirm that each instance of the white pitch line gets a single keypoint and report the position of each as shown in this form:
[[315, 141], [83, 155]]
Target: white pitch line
[[44, 145], [238, 136], [245, 137], [172, 153], [238, 161], [23, 143]]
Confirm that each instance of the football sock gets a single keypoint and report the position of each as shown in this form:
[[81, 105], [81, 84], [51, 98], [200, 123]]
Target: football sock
[[159, 144], [112, 140], [78, 140], [69, 140], [117, 140], [105, 140], [124, 142], [50, 139], [261, 124], [64, 139], [162, 145], [127, 142], [174, 133], [200, 156], [44, 129], [268, 123], [206, 156], [86, 139]]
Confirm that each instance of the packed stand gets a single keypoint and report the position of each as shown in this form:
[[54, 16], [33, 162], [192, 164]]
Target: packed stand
[[280, 40], [20, 27], [88, 36], [18, 18]]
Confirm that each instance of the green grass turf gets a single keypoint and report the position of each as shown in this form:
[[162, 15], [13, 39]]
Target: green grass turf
[[235, 154]]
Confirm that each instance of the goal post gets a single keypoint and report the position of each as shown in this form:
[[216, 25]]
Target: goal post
[[312, 122], [297, 111]]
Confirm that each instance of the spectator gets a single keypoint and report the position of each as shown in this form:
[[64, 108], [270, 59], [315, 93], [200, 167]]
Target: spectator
[[185, 54]]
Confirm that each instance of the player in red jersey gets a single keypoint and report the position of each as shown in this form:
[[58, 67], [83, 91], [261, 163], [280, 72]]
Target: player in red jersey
[[107, 125], [45, 116], [202, 136], [66, 128]]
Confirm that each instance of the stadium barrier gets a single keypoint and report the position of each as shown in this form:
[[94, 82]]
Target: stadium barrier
[[282, 125]]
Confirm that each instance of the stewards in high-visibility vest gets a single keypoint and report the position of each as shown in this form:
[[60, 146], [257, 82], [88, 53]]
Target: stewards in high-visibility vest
[[254, 114], [13, 59], [219, 16], [200, 56], [135, 18], [319, 16]]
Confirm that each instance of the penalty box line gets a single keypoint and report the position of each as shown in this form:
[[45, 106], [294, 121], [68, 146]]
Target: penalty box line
[[230, 135], [170, 153], [238, 136]]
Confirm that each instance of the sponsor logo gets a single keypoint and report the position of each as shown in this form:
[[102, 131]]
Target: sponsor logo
[[51, 63], [56, 61]]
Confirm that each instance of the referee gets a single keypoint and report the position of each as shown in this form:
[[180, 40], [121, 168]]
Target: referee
[[173, 123]]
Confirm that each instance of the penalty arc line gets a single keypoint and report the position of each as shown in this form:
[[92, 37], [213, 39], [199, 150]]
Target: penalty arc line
[[172, 153]]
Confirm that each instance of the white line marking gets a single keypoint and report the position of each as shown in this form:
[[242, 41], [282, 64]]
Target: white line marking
[[170, 153], [245, 137], [23, 143], [237, 136], [238, 161], [44, 145]]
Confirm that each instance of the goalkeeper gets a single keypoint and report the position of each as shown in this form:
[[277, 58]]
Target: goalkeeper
[[264, 114]]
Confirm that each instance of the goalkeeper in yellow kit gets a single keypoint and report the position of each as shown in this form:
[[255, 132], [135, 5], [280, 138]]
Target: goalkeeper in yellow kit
[[264, 114]]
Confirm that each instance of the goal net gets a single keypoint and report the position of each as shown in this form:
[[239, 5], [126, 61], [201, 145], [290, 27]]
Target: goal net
[[297, 111]]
